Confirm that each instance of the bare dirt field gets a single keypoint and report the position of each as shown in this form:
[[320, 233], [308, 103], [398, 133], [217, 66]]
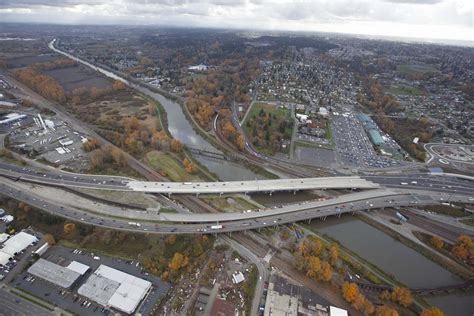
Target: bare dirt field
[[76, 77]]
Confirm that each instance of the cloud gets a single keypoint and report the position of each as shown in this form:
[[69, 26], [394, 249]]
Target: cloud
[[422, 18]]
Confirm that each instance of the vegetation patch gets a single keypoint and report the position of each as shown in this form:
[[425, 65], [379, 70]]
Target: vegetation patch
[[269, 128]]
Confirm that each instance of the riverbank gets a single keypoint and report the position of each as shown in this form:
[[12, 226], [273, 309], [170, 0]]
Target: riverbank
[[426, 252]]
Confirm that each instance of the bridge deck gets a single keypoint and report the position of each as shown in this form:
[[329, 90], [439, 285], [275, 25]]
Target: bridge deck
[[253, 186], [284, 210]]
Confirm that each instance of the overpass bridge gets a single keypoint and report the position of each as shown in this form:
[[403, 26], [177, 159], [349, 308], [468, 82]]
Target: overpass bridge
[[252, 186]]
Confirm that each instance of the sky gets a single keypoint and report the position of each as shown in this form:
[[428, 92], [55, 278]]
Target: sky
[[424, 19]]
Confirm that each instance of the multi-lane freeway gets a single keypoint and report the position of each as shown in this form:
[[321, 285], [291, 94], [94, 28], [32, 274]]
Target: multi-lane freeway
[[228, 222], [447, 183]]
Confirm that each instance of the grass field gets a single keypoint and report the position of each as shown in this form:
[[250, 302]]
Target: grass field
[[173, 169], [446, 210], [257, 126], [405, 90], [411, 70]]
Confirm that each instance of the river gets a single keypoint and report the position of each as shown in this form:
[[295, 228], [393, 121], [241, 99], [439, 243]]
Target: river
[[404, 263], [180, 128]]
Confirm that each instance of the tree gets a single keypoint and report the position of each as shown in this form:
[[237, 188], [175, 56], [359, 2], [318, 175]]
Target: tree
[[326, 271], [437, 242], [316, 246], [359, 301], [300, 261], [177, 262], [189, 166], [333, 253], [432, 311], [385, 310], [314, 265], [176, 146], [69, 228], [368, 308], [170, 240], [118, 85], [91, 144], [402, 296], [50, 239], [119, 157], [462, 247], [350, 291], [241, 142]]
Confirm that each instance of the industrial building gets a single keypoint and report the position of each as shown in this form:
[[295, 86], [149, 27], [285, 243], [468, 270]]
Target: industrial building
[[371, 129], [54, 273], [375, 137], [15, 245], [116, 289]]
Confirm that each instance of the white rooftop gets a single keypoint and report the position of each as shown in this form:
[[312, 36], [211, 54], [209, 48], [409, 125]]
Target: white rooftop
[[4, 258], [78, 267], [18, 243], [53, 273], [336, 311], [117, 289], [238, 277]]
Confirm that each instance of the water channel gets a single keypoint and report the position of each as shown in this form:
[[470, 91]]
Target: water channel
[[180, 128], [404, 263]]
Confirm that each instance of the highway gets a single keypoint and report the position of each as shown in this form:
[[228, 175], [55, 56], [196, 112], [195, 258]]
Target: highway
[[447, 183], [167, 223]]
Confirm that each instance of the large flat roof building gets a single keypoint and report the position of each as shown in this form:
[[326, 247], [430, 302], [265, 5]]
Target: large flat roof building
[[54, 273], [114, 288]]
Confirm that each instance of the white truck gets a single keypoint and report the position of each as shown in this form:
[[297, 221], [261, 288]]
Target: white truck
[[134, 224], [216, 227]]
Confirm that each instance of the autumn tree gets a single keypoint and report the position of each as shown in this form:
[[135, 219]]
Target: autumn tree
[[189, 166], [50, 239], [171, 239], [368, 308], [314, 265], [359, 301], [402, 296], [326, 271], [176, 146], [462, 248], [90, 144], [350, 291], [333, 253], [240, 142], [118, 85], [178, 261], [385, 310], [119, 157], [437, 242], [69, 228], [432, 311]]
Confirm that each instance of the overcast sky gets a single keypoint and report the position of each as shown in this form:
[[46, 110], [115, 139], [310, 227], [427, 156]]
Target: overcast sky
[[437, 19]]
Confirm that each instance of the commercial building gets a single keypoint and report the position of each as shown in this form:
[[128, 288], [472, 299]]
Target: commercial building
[[375, 137], [116, 289], [54, 273], [15, 245]]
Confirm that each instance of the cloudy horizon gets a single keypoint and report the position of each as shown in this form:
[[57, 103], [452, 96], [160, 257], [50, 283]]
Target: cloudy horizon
[[424, 19]]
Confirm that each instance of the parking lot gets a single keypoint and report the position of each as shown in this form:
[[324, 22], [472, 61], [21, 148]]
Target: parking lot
[[353, 147], [68, 299], [50, 139]]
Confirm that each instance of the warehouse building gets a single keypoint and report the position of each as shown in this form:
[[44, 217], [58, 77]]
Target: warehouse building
[[15, 245], [54, 273], [116, 289]]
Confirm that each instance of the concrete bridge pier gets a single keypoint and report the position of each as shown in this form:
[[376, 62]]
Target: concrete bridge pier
[[294, 192], [220, 194], [271, 192], [323, 218], [169, 195], [197, 194]]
